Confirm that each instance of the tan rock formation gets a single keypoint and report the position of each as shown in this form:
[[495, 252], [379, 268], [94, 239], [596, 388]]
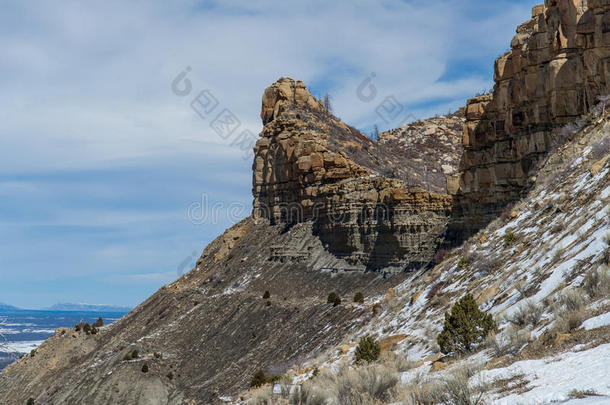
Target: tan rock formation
[[309, 166], [559, 63]]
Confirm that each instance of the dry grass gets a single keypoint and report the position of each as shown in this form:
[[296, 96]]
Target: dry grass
[[570, 310], [580, 394], [509, 342], [420, 391], [570, 320], [597, 283], [366, 385], [487, 264], [527, 314], [264, 396], [398, 362], [455, 388]]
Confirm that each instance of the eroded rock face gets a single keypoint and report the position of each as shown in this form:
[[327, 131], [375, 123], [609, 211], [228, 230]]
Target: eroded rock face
[[559, 63], [430, 151], [309, 166]]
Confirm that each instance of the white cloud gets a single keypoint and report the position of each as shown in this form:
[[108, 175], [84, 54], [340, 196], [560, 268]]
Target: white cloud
[[86, 90], [88, 83]]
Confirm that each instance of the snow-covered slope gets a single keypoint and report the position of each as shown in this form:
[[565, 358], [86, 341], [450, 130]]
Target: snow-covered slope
[[541, 270]]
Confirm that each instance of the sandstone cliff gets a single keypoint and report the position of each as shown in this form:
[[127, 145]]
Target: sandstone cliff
[[310, 166], [558, 65]]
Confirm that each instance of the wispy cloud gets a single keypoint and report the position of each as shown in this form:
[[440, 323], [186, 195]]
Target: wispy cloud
[[86, 90]]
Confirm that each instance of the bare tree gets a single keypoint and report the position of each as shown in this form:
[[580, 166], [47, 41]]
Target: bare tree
[[375, 134], [326, 102]]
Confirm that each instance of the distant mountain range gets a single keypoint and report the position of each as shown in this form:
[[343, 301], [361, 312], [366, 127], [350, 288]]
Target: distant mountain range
[[67, 306], [88, 307], [6, 307]]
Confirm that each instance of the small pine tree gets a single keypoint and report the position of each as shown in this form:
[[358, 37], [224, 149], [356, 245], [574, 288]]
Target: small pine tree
[[359, 298], [266, 295], [466, 326], [259, 379], [30, 401], [145, 368], [368, 349], [333, 298]]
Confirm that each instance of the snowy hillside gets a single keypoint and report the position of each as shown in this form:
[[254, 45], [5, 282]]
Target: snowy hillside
[[541, 270]]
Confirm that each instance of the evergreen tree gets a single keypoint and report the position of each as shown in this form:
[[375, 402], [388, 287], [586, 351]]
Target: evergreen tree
[[465, 326], [368, 349]]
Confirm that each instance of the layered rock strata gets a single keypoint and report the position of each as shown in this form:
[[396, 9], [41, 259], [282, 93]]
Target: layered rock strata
[[558, 66], [309, 166]]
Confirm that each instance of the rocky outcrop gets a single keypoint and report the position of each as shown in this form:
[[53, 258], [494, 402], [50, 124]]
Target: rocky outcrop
[[430, 151], [559, 63], [309, 166]]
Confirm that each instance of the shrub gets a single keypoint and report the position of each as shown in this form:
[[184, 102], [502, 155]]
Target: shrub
[[266, 295], [398, 362], [597, 283], [573, 299], [528, 313], [509, 342], [359, 298], [434, 290], [170, 375], [510, 239], [463, 262], [580, 394], [30, 401], [262, 396], [333, 298], [459, 391], [260, 378], [145, 368], [365, 385], [85, 327], [368, 349], [570, 320], [464, 327], [99, 323], [131, 355], [421, 392], [488, 265]]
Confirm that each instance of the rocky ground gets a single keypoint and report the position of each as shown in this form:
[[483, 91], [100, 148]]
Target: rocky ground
[[433, 148]]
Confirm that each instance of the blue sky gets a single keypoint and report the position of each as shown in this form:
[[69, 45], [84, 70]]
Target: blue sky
[[100, 162]]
